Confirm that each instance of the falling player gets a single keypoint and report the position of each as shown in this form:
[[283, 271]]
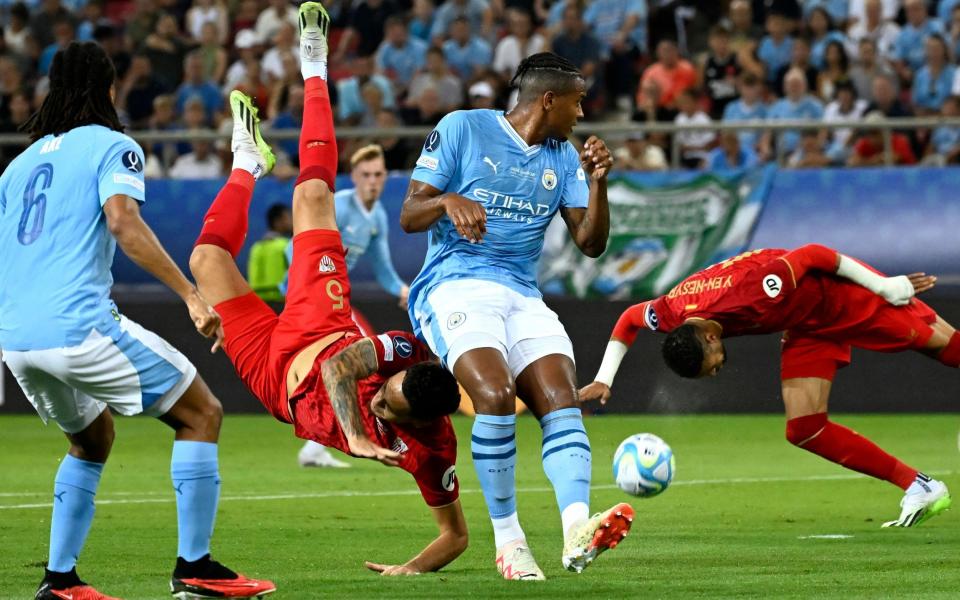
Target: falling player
[[486, 186], [825, 303], [65, 204], [310, 366]]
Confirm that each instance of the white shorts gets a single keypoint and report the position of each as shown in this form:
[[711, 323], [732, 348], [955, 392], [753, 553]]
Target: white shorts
[[129, 369], [465, 314]]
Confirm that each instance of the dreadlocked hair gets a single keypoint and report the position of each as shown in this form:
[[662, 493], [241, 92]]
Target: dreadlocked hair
[[543, 72], [80, 78]]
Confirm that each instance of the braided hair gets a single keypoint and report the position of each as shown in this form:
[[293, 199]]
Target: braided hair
[[80, 79], [543, 72]]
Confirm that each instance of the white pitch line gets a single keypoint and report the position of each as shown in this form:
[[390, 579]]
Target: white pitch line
[[415, 492]]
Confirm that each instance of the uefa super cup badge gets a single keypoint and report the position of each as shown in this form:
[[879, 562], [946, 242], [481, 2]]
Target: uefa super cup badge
[[549, 179]]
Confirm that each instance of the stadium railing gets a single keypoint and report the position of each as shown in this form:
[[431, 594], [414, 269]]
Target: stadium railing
[[611, 131]]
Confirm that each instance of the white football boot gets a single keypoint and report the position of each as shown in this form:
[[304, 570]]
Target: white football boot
[[603, 531], [316, 455], [925, 498], [516, 562]]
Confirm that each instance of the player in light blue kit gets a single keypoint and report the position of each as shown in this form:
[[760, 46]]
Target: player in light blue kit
[[65, 203], [363, 225], [486, 186]]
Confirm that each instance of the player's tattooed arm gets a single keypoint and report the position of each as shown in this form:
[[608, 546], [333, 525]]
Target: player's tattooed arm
[[341, 373], [424, 205]]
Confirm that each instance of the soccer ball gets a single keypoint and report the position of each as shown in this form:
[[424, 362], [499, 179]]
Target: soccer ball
[[643, 465]]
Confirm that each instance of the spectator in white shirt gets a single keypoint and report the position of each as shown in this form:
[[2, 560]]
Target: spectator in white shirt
[[201, 163], [277, 13], [520, 44], [436, 76], [694, 145], [284, 43], [846, 108], [207, 11]]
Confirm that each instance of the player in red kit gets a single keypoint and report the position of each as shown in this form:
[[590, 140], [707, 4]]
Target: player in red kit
[[384, 396], [825, 303]]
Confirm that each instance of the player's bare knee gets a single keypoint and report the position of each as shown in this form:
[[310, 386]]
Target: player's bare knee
[[312, 194], [93, 446], [494, 398], [207, 258], [209, 416]]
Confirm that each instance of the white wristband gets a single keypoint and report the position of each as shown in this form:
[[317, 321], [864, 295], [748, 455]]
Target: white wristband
[[612, 358], [858, 273]]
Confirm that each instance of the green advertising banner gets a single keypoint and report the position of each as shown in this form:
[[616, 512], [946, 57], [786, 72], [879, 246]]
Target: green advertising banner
[[663, 227]]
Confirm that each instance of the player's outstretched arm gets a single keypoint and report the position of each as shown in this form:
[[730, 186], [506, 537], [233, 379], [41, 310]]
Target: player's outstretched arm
[[443, 550], [340, 373], [624, 333], [590, 226], [424, 205], [138, 241]]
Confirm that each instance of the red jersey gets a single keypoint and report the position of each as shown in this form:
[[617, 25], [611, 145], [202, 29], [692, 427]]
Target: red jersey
[[428, 453]]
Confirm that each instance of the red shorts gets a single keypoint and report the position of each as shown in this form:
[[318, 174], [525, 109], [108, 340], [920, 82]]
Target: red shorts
[[859, 319], [261, 344]]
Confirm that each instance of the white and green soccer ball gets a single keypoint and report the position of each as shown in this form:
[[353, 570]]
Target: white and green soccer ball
[[643, 465]]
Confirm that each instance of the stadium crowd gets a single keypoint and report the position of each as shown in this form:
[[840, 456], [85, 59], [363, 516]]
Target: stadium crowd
[[409, 62]]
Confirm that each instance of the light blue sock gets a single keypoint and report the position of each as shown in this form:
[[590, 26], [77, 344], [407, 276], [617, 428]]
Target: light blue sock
[[494, 448], [196, 480], [566, 461], [73, 492]]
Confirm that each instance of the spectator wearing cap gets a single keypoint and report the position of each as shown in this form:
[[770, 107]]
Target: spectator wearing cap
[[749, 107], [873, 27], [719, 71], [468, 55], [421, 19], [822, 32], [945, 141], [621, 28], [478, 12], [869, 66], [730, 154], [285, 44], [367, 20], [672, 73], [909, 50], [638, 154], [836, 69], [247, 46], [271, 18], [207, 11], [796, 104], [166, 49], [400, 56], [481, 95], [351, 106], [868, 150], [138, 91], [577, 44], [846, 108], [436, 76], [195, 85], [932, 84], [776, 48], [16, 32], [521, 42]]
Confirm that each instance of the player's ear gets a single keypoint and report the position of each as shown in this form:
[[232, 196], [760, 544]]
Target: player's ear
[[548, 99]]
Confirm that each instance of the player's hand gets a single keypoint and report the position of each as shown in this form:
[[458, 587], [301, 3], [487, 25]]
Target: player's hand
[[469, 217], [595, 158], [391, 569], [363, 448], [204, 318], [922, 282], [595, 391], [404, 296], [897, 290]]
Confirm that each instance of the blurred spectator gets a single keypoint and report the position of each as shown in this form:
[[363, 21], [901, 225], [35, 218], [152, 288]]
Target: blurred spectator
[[945, 141], [212, 55], [285, 44], [868, 150], [138, 91], [719, 71], [796, 104], [400, 56], [744, 33], [650, 107], [267, 265], [730, 154], [822, 33], [835, 9], [621, 28], [245, 17], [421, 19], [114, 43], [49, 13], [481, 95], [18, 111], [847, 108], [671, 73], [142, 22], [437, 77], [578, 45], [882, 32], [193, 118], [246, 44], [200, 163], [521, 42], [953, 31], [15, 32], [11, 80], [166, 50], [799, 59], [373, 99], [909, 50], [467, 54], [638, 154], [810, 154], [748, 108], [152, 165], [396, 151], [837, 68], [694, 145], [788, 9], [367, 20], [776, 48], [252, 85], [858, 9], [63, 34], [428, 111], [351, 106], [933, 82], [869, 67], [291, 117], [476, 11], [207, 11], [92, 18], [945, 10], [195, 85], [271, 18], [885, 99], [550, 13]]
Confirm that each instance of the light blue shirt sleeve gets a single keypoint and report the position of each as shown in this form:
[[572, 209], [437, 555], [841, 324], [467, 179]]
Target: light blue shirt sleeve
[[121, 171], [440, 156], [576, 190], [382, 263]]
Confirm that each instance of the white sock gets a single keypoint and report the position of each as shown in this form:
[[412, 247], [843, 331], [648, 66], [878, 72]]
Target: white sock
[[573, 514], [507, 530], [247, 162], [313, 69]]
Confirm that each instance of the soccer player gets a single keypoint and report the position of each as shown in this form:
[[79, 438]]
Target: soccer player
[[65, 204], [825, 303], [486, 186], [380, 397], [364, 228]]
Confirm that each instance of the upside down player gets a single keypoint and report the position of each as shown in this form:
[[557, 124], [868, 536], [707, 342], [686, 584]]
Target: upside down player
[[825, 303], [310, 366]]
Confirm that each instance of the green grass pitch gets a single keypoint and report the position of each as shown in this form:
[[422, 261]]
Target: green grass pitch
[[740, 520]]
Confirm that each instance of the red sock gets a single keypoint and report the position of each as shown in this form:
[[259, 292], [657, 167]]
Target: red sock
[[836, 443], [225, 224], [318, 143]]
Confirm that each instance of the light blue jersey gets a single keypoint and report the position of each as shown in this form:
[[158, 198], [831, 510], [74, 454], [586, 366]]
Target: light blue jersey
[[364, 233], [478, 154], [55, 272]]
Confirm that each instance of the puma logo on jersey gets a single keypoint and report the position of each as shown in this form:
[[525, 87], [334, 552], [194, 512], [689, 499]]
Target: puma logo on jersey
[[326, 265], [492, 164]]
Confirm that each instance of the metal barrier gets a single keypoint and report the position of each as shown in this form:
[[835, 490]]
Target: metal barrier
[[610, 130]]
